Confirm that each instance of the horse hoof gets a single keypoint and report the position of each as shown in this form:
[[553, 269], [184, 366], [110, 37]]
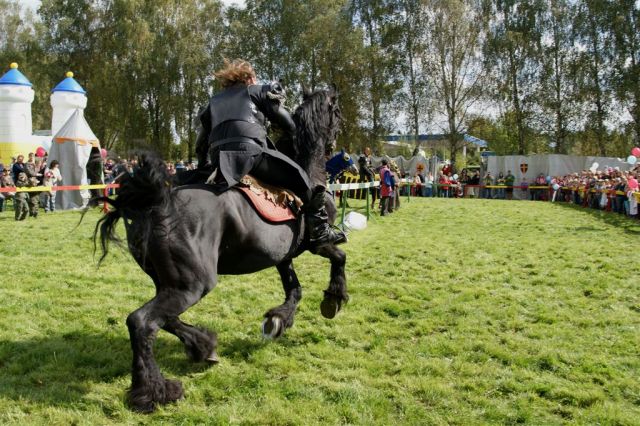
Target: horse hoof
[[329, 307], [272, 327], [146, 399], [173, 391], [213, 358]]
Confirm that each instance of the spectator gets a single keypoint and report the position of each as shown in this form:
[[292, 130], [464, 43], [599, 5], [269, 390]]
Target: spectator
[[20, 204], [365, 169], [33, 197], [428, 185], [474, 182], [500, 182], [487, 181], [108, 171], [18, 167], [417, 185], [30, 165], [536, 193], [633, 202], [620, 195], [386, 188], [395, 173], [5, 181], [509, 180], [455, 187], [52, 179], [41, 168]]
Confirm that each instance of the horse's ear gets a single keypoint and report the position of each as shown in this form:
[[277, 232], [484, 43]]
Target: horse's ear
[[306, 92], [333, 90]]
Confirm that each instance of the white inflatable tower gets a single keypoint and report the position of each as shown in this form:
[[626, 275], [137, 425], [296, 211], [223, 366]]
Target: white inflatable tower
[[16, 96], [66, 97]]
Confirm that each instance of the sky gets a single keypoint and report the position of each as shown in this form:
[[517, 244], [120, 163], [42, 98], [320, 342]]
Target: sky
[[33, 4]]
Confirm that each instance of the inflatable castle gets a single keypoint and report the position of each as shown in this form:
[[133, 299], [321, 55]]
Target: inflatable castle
[[16, 97]]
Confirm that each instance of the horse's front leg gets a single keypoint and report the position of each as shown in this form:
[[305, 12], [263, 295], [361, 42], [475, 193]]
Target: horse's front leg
[[336, 294], [278, 319]]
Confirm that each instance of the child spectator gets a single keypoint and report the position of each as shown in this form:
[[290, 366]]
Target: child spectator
[[428, 185], [20, 201]]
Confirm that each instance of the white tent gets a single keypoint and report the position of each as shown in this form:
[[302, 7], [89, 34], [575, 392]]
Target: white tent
[[72, 146]]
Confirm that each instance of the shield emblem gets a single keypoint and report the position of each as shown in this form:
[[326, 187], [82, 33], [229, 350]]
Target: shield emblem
[[524, 167]]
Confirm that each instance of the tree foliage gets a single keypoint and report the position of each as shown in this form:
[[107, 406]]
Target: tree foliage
[[527, 76]]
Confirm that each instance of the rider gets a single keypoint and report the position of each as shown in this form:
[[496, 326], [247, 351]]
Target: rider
[[234, 140]]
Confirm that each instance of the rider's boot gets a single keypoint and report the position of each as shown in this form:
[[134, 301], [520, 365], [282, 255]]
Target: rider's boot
[[320, 232]]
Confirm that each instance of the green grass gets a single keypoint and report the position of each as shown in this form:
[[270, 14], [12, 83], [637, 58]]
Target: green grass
[[462, 312]]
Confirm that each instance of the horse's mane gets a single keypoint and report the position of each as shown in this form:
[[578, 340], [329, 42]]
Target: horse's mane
[[317, 122]]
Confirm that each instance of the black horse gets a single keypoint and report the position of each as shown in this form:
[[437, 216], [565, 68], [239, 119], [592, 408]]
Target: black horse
[[184, 237]]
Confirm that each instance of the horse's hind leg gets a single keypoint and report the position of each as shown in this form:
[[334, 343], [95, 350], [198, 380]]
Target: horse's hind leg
[[336, 294], [148, 386], [278, 319], [199, 343]]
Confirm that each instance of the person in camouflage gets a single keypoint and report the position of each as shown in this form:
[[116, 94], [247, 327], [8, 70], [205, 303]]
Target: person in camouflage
[[33, 198], [20, 199]]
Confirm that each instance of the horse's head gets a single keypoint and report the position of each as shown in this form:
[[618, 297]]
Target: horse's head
[[317, 125]]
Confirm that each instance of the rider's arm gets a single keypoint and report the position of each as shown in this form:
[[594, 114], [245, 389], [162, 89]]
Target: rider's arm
[[202, 141], [271, 104]]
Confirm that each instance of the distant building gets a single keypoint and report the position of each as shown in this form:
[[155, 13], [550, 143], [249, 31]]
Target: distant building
[[393, 144]]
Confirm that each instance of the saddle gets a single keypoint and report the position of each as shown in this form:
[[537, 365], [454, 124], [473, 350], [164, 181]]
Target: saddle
[[271, 203]]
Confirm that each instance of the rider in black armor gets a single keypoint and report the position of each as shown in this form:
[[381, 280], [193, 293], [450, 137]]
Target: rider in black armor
[[233, 142]]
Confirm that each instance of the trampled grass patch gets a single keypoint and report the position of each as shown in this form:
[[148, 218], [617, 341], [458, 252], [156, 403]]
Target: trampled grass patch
[[461, 312]]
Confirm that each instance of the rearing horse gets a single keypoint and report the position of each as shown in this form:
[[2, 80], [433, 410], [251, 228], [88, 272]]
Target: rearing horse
[[184, 237]]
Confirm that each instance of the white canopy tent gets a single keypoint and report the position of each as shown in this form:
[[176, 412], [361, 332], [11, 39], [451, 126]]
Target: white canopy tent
[[72, 146]]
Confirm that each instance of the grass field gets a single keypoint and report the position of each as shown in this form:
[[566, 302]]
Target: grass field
[[462, 312]]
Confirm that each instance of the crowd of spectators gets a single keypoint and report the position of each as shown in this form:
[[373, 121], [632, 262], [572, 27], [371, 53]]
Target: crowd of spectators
[[39, 172], [115, 167], [610, 188], [35, 171]]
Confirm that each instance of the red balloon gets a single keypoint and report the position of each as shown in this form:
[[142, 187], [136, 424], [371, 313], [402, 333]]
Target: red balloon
[[40, 152], [635, 152], [633, 184], [103, 153]]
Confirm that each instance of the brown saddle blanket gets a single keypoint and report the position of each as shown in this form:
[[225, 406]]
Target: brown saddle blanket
[[272, 204]]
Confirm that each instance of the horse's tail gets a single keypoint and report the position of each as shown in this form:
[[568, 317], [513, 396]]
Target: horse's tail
[[141, 197]]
